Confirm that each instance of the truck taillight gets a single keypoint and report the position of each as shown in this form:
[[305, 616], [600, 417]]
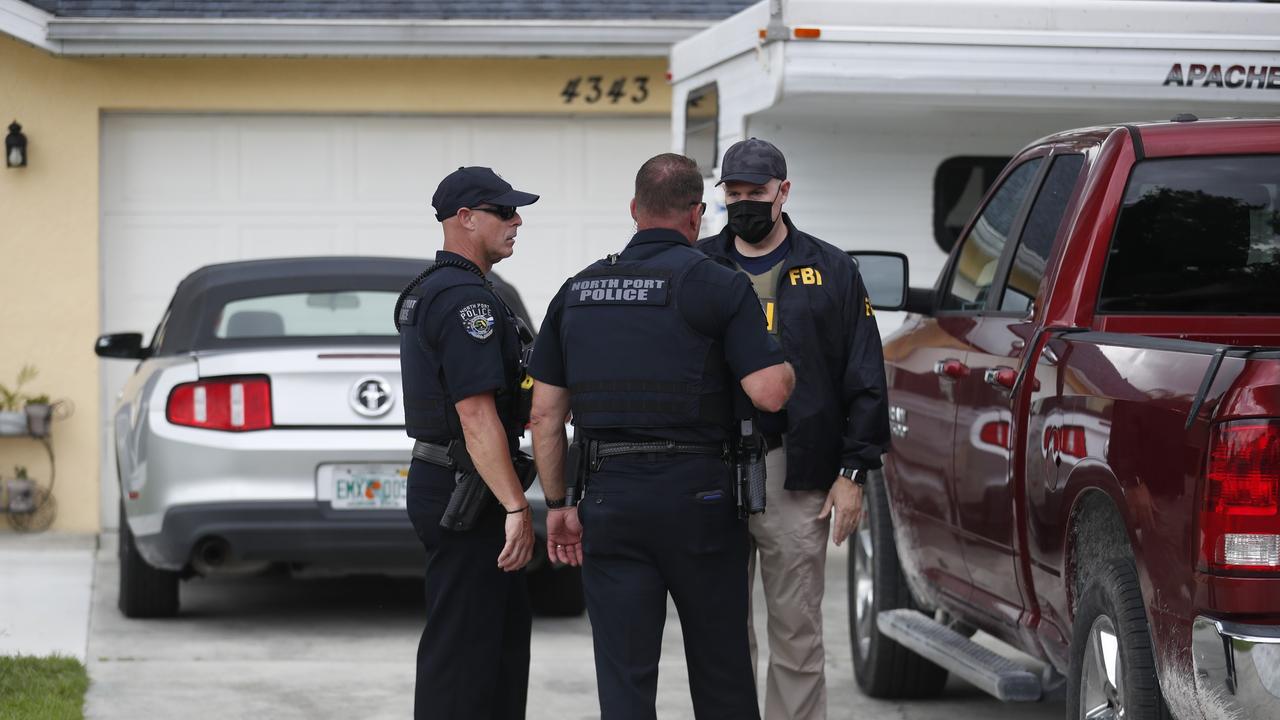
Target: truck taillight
[[232, 403], [1240, 513]]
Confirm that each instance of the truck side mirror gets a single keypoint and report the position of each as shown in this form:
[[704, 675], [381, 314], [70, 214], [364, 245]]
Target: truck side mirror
[[884, 274], [127, 346]]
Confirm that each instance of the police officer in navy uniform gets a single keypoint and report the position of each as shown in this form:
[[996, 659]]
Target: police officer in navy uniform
[[460, 355], [647, 348]]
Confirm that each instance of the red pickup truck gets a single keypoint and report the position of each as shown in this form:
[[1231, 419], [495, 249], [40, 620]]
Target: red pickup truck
[[1085, 413]]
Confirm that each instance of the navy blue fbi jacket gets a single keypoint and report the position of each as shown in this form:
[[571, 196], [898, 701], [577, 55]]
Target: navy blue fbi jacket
[[709, 326], [838, 415]]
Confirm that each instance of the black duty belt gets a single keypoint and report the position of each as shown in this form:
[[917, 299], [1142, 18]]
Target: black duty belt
[[597, 451], [432, 453]]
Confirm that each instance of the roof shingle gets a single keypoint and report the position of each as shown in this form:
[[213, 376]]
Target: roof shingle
[[399, 9]]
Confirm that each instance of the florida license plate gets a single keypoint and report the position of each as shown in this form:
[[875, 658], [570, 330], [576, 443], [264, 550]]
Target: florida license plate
[[365, 486]]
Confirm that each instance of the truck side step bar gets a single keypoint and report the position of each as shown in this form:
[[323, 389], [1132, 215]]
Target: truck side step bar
[[993, 673]]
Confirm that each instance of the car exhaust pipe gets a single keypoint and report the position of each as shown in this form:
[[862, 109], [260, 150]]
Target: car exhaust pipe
[[210, 554]]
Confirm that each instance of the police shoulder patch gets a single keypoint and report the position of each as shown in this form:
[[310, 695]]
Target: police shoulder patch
[[408, 310], [477, 320]]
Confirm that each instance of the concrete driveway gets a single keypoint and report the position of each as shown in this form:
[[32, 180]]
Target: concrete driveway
[[272, 647]]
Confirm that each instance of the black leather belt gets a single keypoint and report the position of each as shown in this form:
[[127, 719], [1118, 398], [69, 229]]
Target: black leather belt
[[597, 451], [432, 453]]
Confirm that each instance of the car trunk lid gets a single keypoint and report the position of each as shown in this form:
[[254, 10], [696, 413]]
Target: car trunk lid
[[321, 386]]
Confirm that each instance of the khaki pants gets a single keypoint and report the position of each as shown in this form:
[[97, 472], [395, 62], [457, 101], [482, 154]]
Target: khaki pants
[[789, 544]]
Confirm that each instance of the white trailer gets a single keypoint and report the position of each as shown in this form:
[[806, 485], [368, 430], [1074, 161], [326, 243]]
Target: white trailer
[[896, 115]]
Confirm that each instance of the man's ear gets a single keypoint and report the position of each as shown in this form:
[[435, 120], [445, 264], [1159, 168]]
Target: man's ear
[[784, 191], [694, 223], [466, 218], [633, 210]]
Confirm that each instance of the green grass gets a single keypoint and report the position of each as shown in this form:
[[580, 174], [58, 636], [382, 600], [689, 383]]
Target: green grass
[[42, 688]]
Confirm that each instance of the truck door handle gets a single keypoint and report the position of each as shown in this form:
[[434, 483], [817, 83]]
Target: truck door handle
[[951, 368], [1001, 377]]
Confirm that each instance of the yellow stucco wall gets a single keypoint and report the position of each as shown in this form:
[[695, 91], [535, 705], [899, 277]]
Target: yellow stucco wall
[[50, 294]]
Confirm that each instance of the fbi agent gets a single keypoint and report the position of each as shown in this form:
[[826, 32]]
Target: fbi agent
[[647, 348], [834, 428], [460, 357]]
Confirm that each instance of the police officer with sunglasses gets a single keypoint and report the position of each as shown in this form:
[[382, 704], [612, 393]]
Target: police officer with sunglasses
[[466, 404]]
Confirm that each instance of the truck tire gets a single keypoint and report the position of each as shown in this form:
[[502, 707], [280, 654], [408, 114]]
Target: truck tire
[[145, 592], [1110, 636], [882, 667]]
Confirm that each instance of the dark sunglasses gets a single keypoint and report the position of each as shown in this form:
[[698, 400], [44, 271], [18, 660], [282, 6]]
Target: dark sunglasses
[[504, 212], [702, 210]]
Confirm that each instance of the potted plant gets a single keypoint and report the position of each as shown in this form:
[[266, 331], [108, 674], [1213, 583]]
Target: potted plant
[[39, 414], [13, 419], [21, 497]]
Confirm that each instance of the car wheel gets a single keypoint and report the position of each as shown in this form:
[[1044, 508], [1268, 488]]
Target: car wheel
[[1113, 673], [145, 592], [882, 667]]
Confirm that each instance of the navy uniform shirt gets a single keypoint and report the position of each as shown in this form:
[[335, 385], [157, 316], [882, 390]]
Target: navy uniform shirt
[[464, 326], [716, 302]]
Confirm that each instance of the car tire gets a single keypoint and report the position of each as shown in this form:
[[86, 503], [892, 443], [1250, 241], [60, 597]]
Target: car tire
[[557, 591], [1112, 666], [882, 667], [145, 592]]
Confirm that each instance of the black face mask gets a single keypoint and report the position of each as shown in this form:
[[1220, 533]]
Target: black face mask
[[752, 220]]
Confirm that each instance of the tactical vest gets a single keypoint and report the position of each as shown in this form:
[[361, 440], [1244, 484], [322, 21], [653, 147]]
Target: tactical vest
[[632, 361], [429, 411]]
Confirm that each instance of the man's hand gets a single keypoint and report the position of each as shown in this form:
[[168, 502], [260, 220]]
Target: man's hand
[[519, 548], [846, 498], [564, 536]]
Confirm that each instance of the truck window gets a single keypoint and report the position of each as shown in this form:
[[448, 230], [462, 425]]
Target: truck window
[[959, 184], [701, 122], [975, 268], [1036, 243], [1197, 236]]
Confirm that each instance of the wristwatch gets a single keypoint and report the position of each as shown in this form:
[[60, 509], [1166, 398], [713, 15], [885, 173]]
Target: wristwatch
[[557, 504], [858, 478]]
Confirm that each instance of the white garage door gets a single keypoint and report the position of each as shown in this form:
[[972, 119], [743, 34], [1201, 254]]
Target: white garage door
[[181, 191]]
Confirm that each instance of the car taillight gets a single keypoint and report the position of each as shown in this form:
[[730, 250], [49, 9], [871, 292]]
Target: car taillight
[[1067, 440], [232, 403], [1240, 513], [995, 433], [1071, 441]]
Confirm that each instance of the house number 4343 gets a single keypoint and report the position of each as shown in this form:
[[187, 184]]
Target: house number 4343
[[596, 88]]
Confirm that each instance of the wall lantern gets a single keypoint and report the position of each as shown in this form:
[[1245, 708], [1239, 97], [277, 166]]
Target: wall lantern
[[15, 146]]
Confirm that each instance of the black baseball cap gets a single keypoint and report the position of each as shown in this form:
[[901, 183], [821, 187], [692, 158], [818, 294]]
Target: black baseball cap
[[471, 186], [753, 160]]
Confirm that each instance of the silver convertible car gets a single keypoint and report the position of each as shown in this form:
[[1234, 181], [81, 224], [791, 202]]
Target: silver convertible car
[[264, 426]]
